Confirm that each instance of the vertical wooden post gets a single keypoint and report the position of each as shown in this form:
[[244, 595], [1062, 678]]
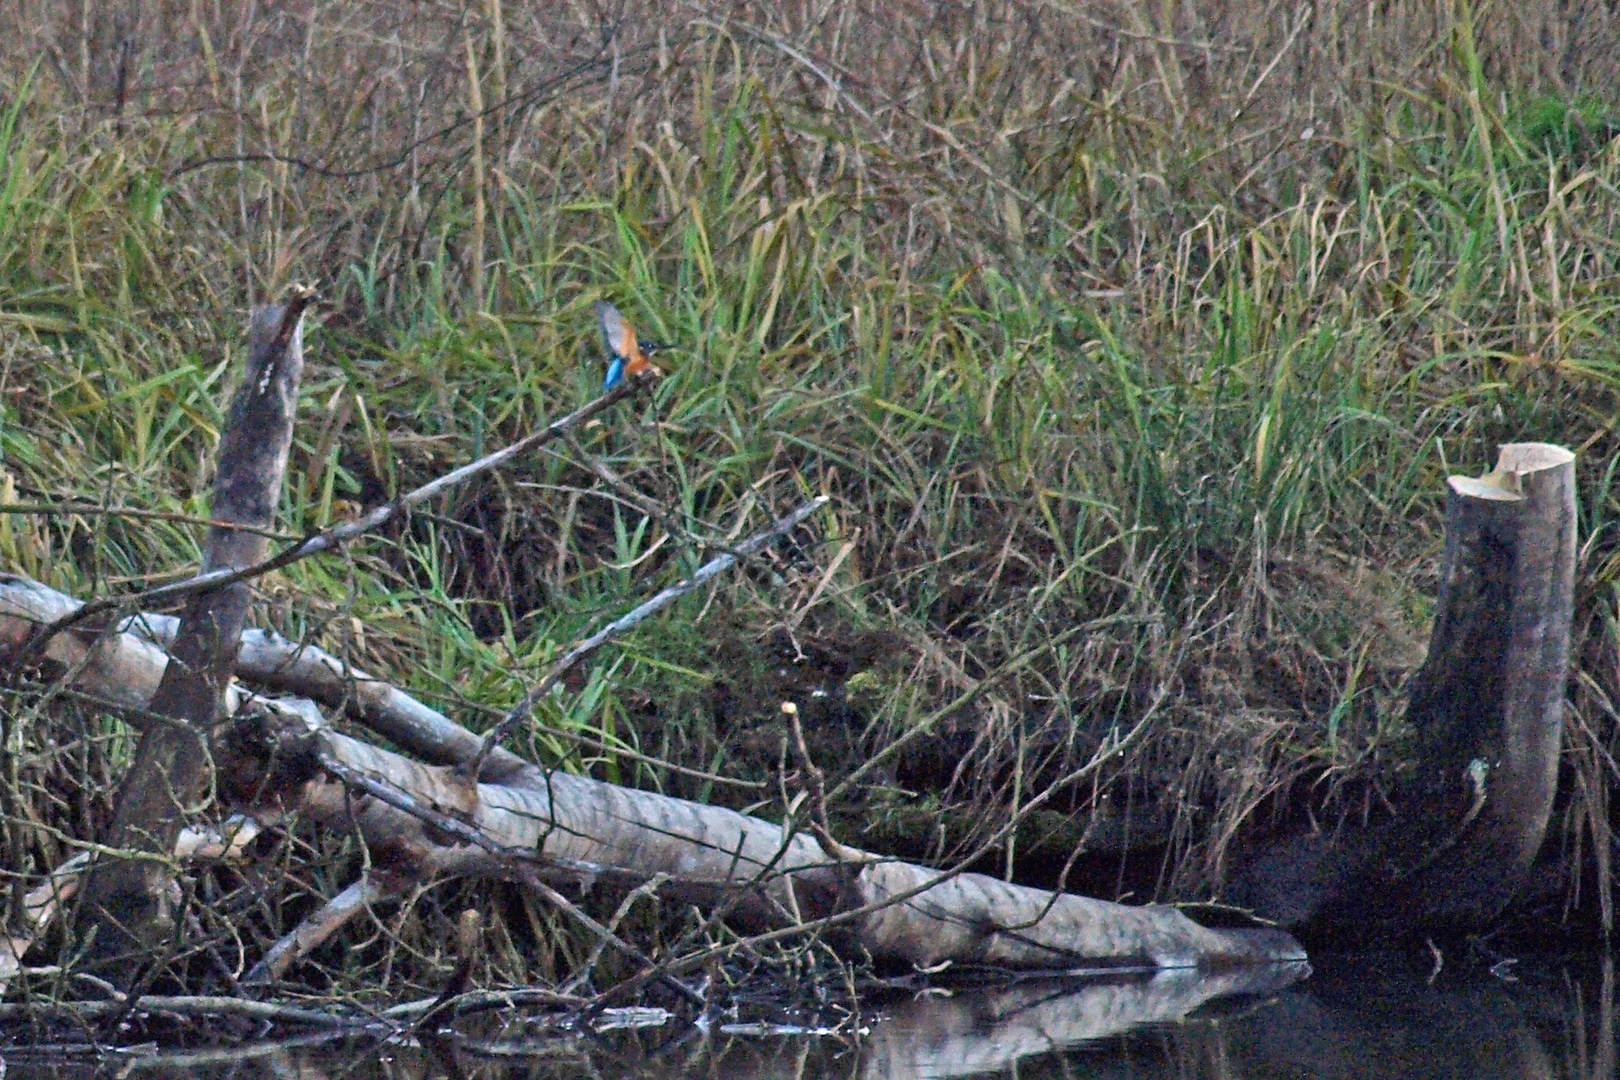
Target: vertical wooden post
[[126, 912]]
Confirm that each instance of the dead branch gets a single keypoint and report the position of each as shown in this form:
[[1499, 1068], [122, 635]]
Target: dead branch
[[705, 573], [426, 822], [321, 924], [332, 538], [189, 1007], [126, 910]]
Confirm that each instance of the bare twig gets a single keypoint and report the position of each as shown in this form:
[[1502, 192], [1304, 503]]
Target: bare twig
[[646, 889], [645, 505], [79, 506], [187, 1006], [708, 570], [815, 780], [318, 926], [659, 971], [334, 537]]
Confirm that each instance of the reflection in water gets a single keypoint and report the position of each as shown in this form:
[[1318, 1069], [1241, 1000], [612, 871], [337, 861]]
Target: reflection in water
[[986, 1032], [1368, 1016], [1375, 1017]]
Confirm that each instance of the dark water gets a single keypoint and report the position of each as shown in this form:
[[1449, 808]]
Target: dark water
[[1361, 1016]]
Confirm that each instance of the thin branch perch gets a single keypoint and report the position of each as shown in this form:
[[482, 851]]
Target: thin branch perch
[[705, 573], [332, 538]]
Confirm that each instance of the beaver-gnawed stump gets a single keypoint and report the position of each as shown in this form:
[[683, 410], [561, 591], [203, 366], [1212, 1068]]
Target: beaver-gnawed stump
[[1487, 708]]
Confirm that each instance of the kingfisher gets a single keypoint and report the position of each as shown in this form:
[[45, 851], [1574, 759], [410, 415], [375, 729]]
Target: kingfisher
[[629, 355]]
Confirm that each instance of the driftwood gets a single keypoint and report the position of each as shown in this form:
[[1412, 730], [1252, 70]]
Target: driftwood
[[536, 823], [1488, 709], [474, 808], [126, 909]]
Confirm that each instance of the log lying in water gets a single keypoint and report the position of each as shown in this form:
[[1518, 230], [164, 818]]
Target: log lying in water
[[1488, 708], [540, 823]]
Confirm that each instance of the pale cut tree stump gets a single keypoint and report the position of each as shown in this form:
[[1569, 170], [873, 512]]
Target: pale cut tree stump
[[1488, 711], [1488, 704]]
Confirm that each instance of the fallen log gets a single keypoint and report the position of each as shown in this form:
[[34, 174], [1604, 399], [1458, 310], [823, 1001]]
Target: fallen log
[[545, 822]]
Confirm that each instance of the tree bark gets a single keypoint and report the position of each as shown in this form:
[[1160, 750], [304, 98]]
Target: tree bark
[[1487, 707], [1488, 704], [127, 909], [536, 821], [422, 821]]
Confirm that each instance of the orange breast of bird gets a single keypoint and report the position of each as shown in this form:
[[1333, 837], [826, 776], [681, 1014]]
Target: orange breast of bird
[[620, 338], [635, 362]]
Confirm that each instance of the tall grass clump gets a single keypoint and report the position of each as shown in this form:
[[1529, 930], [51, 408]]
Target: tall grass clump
[[1134, 344]]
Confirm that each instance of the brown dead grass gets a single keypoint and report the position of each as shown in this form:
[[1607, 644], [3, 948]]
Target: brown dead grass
[[1159, 321]]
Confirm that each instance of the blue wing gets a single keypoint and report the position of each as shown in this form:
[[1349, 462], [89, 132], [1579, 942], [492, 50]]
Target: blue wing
[[615, 372]]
